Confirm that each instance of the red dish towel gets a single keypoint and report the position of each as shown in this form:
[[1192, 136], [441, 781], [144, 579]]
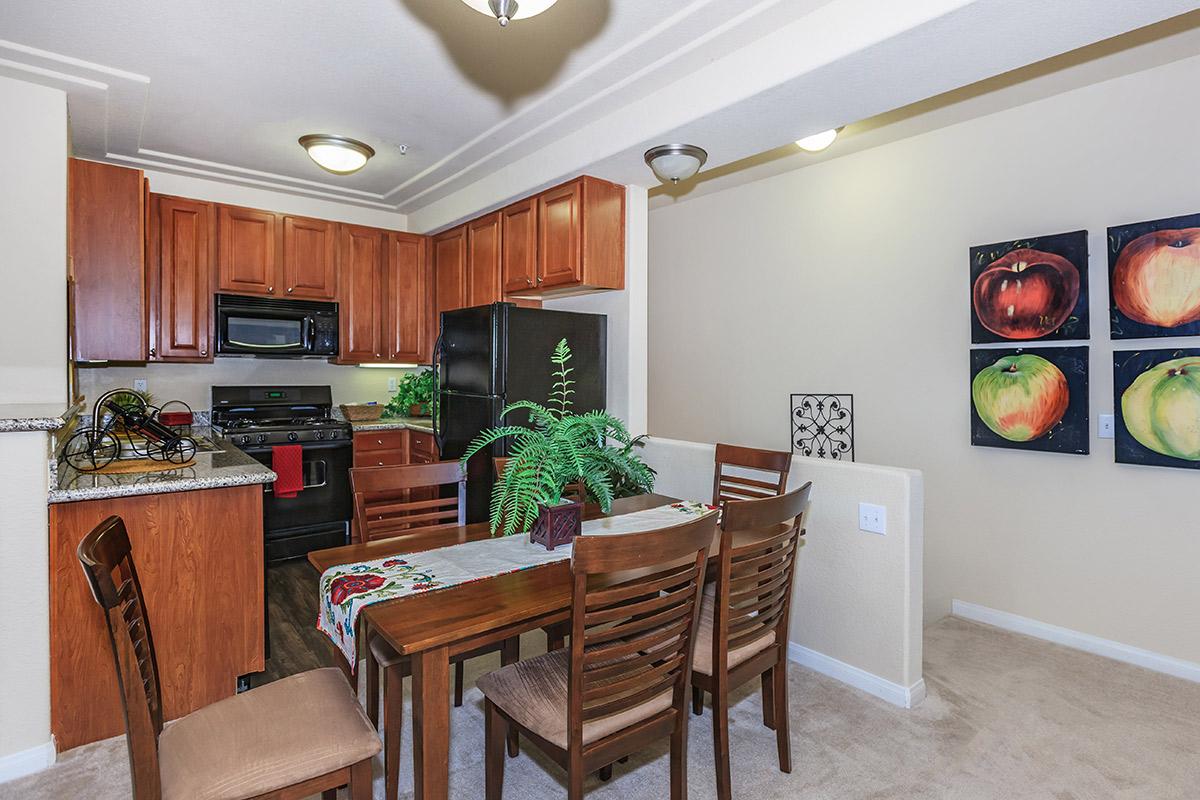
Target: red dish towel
[[288, 463]]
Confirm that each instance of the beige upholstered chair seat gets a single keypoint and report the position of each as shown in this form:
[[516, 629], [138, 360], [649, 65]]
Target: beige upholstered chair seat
[[703, 657], [274, 736], [534, 694]]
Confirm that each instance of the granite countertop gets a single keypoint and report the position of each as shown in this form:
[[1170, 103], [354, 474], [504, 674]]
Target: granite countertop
[[231, 467], [422, 424], [17, 417]]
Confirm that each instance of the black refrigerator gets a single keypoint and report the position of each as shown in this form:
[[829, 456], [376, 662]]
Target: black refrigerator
[[489, 356]]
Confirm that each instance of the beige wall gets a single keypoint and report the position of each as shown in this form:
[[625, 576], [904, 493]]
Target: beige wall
[[852, 276], [33, 355]]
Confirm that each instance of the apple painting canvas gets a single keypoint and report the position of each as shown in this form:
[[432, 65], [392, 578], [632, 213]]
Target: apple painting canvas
[[1154, 278], [1158, 407], [1030, 289], [1030, 399]]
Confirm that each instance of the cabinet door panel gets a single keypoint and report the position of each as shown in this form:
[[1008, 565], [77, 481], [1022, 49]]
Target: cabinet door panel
[[309, 258], [518, 241], [450, 269], [181, 300], [406, 299], [107, 224], [360, 265], [247, 256], [559, 228], [483, 260]]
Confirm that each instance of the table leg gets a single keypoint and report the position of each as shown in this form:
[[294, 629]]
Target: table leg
[[431, 724]]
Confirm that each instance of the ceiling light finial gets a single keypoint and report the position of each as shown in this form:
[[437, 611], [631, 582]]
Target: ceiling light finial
[[506, 10]]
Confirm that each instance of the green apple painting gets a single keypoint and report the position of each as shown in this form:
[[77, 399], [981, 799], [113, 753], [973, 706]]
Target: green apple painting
[[1158, 397], [1030, 399]]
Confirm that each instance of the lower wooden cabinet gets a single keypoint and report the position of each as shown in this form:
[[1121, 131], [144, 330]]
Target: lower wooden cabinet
[[179, 279], [199, 557], [390, 448]]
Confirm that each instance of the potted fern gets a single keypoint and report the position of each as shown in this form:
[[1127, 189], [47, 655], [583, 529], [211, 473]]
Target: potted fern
[[559, 448]]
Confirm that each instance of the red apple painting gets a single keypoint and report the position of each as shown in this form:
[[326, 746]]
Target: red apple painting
[[1154, 278], [1158, 397], [1030, 399], [1030, 289]]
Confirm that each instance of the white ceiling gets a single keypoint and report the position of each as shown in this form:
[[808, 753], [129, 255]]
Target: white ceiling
[[223, 88]]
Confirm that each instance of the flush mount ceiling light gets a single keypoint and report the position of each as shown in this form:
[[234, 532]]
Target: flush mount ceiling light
[[504, 10], [337, 154], [818, 141], [675, 162]]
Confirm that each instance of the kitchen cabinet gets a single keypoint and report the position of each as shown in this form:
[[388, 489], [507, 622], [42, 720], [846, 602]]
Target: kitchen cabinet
[[199, 556], [483, 260], [107, 255], [179, 279], [407, 299], [361, 315], [275, 255], [450, 270], [390, 448], [581, 237], [518, 238]]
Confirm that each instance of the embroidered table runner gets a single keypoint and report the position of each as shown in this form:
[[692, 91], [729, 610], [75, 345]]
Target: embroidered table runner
[[346, 589]]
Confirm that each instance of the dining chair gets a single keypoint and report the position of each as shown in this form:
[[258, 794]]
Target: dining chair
[[404, 502], [622, 682], [728, 486], [288, 739], [743, 629]]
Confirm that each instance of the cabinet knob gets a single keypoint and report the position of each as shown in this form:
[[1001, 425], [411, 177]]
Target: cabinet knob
[[204, 352], [152, 352], [289, 290], [539, 280], [270, 290], [529, 281]]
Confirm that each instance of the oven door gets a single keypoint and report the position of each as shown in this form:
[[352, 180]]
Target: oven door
[[263, 332], [318, 516]]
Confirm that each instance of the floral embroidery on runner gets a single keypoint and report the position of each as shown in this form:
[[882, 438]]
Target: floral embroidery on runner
[[348, 588]]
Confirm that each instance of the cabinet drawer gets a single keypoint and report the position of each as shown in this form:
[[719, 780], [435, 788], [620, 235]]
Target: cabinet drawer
[[380, 458], [380, 440], [421, 443]]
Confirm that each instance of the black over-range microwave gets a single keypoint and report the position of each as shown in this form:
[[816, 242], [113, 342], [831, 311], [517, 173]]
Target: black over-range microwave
[[256, 326]]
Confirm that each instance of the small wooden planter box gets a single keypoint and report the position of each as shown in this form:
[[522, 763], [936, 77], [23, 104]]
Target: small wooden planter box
[[557, 525]]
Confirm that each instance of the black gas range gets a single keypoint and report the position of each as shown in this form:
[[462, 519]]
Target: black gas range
[[256, 419]]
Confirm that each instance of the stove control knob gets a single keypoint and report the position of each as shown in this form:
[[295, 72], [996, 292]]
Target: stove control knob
[[320, 434], [262, 437], [333, 434], [245, 440], [292, 436]]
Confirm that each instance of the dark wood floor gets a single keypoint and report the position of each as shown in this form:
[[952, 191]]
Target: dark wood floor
[[296, 644]]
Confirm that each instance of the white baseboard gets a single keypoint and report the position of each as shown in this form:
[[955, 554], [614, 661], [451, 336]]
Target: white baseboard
[[1169, 665], [27, 762], [894, 693]]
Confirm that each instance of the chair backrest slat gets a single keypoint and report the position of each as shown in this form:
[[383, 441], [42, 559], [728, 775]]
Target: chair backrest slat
[[103, 553], [727, 486], [759, 542], [635, 603], [390, 501]]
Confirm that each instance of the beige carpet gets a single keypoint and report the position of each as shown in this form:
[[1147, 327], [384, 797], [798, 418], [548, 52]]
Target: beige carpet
[[1006, 717]]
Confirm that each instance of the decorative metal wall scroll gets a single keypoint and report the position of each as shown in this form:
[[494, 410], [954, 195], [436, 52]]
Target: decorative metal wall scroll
[[823, 426]]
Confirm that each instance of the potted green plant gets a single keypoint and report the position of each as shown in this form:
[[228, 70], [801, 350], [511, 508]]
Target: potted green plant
[[413, 397], [557, 449]]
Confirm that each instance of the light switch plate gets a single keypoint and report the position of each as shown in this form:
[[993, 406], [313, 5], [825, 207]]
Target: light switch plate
[[872, 518], [139, 384], [392, 385], [1107, 426]]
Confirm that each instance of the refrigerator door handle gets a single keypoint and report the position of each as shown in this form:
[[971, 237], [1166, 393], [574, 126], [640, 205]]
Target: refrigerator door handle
[[437, 393]]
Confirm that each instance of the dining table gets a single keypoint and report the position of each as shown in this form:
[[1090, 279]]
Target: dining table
[[431, 627]]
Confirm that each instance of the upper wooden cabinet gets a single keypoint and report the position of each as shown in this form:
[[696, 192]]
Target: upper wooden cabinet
[[360, 262], [581, 237], [275, 255], [518, 239], [107, 242], [483, 260], [408, 299], [450, 269], [179, 279]]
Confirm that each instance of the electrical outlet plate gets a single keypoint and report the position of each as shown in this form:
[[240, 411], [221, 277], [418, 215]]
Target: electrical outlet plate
[[139, 384], [872, 518], [392, 385], [1107, 427]]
